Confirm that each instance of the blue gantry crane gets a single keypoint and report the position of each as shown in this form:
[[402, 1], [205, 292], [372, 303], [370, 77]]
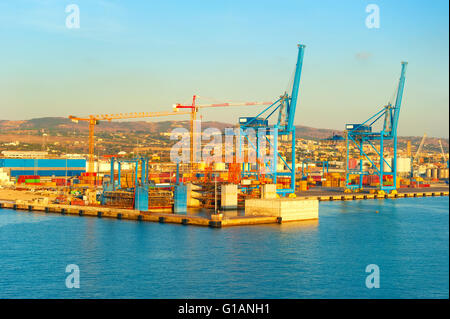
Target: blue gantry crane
[[141, 186], [139, 192], [286, 106], [360, 135]]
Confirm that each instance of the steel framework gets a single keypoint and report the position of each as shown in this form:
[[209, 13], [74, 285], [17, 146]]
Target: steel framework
[[286, 106], [359, 135], [94, 120], [140, 188]]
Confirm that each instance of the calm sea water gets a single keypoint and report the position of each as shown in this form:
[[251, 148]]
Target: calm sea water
[[408, 239]]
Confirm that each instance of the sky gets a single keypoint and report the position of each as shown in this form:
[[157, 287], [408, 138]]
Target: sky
[[135, 56]]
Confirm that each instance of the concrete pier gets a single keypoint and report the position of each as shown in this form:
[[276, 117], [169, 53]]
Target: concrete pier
[[257, 211], [191, 194], [130, 214], [269, 191], [286, 209], [229, 197]]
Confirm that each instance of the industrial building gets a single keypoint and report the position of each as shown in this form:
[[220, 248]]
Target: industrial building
[[24, 154], [43, 167]]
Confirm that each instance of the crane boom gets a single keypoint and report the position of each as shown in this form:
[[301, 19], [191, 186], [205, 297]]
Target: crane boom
[[130, 115], [420, 147], [94, 119], [442, 151], [398, 99], [292, 105], [201, 106], [233, 104]]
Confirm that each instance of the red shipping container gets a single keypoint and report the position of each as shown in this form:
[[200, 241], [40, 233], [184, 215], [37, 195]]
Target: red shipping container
[[352, 163]]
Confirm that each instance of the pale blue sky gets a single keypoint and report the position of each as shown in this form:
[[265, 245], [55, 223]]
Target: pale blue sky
[[148, 55]]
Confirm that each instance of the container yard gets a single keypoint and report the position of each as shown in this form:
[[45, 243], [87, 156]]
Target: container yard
[[282, 181]]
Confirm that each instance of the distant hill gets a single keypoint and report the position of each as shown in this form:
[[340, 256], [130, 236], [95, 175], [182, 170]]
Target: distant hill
[[64, 126]]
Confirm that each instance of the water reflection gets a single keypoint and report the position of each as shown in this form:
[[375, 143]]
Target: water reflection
[[323, 258], [297, 226]]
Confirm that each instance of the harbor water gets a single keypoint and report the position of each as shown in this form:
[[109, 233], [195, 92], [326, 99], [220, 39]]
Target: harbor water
[[408, 239]]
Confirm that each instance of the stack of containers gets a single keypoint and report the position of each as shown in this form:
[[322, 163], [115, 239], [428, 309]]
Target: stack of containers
[[283, 182], [89, 179], [388, 180], [404, 182], [373, 180], [60, 181], [303, 185], [29, 180]]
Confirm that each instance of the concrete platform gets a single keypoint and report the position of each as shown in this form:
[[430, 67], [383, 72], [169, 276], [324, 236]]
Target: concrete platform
[[286, 209], [130, 214], [229, 197], [334, 193]]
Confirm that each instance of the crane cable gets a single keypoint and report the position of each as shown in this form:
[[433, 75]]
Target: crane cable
[[291, 82], [394, 94], [282, 112]]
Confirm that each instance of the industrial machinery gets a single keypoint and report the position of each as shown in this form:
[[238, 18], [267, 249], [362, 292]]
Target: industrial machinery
[[134, 194], [415, 159], [360, 135], [284, 126], [334, 139], [194, 110], [305, 170], [133, 188], [443, 154], [95, 119]]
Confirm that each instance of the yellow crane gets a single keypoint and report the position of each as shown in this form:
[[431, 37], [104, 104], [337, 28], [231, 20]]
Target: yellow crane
[[443, 153], [419, 149], [415, 159], [94, 120]]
